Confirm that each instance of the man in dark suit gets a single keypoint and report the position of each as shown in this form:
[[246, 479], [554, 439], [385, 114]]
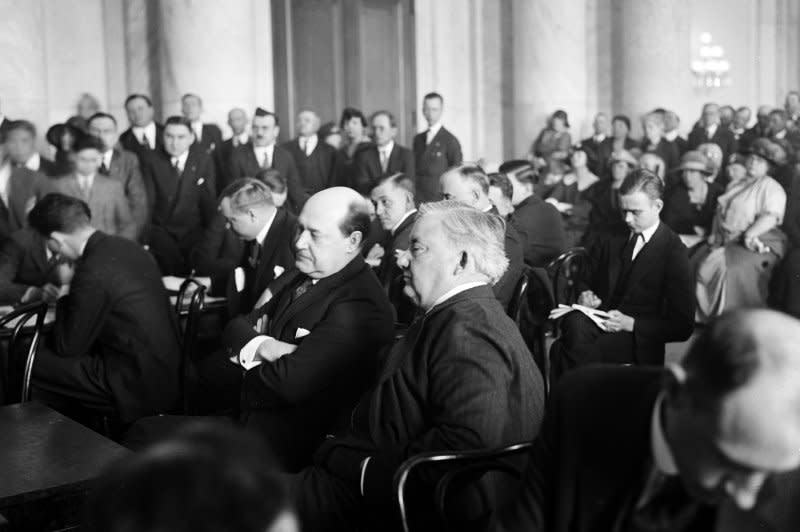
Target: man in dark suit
[[599, 146], [262, 152], [144, 135], [207, 137], [121, 166], [709, 129], [460, 379], [311, 349], [395, 208], [180, 188], [435, 150], [385, 157], [781, 133], [22, 185], [237, 121], [313, 158], [246, 206], [116, 337], [641, 278], [20, 147], [27, 269], [470, 185], [689, 449]]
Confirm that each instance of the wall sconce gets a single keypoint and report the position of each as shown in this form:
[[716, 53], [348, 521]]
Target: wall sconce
[[712, 69]]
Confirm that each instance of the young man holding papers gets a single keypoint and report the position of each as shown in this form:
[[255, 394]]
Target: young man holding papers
[[641, 279]]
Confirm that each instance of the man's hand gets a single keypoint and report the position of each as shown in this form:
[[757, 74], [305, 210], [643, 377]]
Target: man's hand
[[64, 272], [272, 349], [48, 293], [375, 255], [619, 322], [587, 298]]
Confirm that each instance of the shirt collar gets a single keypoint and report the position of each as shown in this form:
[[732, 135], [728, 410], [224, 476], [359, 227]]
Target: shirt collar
[[181, 160], [88, 179], [671, 135], [34, 162], [599, 138], [403, 219], [311, 141], [243, 138], [434, 129], [662, 454], [262, 235], [149, 130], [712, 129], [387, 148], [454, 291], [648, 233], [264, 149], [780, 134], [107, 157]]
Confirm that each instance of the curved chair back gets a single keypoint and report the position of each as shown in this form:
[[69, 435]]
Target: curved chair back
[[565, 272], [191, 326], [515, 305], [535, 304], [459, 470], [23, 315]]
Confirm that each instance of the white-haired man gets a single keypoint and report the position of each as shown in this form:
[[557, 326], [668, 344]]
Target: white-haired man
[[461, 378]]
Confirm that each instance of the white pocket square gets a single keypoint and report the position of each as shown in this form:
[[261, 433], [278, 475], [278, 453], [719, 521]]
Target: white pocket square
[[201, 180], [238, 278], [277, 271], [301, 333]]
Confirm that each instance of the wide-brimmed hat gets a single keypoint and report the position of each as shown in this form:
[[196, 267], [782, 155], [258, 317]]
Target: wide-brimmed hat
[[623, 156], [695, 160], [57, 131], [562, 115], [770, 151]]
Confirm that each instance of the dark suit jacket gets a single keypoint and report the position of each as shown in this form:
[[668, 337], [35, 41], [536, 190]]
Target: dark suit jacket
[[597, 153], [125, 169], [129, 142], [668, 151], [605, 216], [300, 397], [680, 143], [431, 161], [23, 263], [391, 275], [514, 245], [51, 168], [243, 163], [5, 123], [723, 137], [682, 216], [541, 229], [118, 325], [658, 290], [368, 166], [461, 378], [315, 171], [587, 466], [211, 139], [23, 184]]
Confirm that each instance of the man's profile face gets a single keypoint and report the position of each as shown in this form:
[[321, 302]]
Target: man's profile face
[[429, 263], [639, 211], [104, 129], [264, 130], [177, 139], [320, 246], [391, 203], [88, 161], [382, 130], [237, 120], [140, 113], [19, 145], [192, 108], [244, 224], [432, 110], [502, 203]]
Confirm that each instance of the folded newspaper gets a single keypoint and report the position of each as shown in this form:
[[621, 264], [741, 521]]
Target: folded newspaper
[[597, 316]]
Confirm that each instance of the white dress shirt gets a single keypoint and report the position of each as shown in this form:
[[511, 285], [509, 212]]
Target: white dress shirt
[[239, 140], [454, 291], [34, 162], [432, 131], [307, 144], [85, 183], [385, 153], [107, 158], [5, 175], [671, 135], [647, 234], [711, 130], [181, 161], [599, 138], [197, 127], [149, 130], [264, 153]]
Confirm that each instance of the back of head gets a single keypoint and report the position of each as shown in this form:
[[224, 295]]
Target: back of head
[[522, 170], [642, 180], [401, 181], [206, 478], [57, 212], [247, 193], [501, 181], [273, 179], [474, 174]]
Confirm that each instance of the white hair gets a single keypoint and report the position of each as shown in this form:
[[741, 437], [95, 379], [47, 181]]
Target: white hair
[[480, 234]]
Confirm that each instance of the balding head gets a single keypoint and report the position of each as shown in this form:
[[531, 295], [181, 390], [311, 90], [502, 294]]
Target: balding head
[[468, 184], [710, 114], [331, 231], [237, 119], [744, 365], [307, 123]]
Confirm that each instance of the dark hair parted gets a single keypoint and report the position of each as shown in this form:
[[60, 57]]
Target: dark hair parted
[[387, 114], [474, 173], [399, 180], [263, 112], [135, 96], [57, 212], [176, 120], [273, 179], [101, 114], [641, 180]]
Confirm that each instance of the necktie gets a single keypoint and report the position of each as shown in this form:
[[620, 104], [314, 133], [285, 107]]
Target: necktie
[[266, 163], [304, 144], [104, 168], [255, 254], [145, 141], [176, 167], [428, 136], [302, 288], [384, 160], [630, 247]]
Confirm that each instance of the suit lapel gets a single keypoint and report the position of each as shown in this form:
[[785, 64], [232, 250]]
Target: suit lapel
[[186, 180], [615, 247], [271, 242], [644, 260], [437, 139]]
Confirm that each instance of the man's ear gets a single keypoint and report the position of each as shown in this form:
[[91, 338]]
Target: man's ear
[[354, 241]]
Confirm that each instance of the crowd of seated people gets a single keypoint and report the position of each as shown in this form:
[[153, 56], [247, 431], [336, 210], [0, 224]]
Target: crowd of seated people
[[369, 289]]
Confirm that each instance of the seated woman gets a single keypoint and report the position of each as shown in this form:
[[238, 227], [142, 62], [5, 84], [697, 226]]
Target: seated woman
[[571, 198], [735, 265], [604, 215], [553, 141], [714, 155], [550, 176], [689, 207]]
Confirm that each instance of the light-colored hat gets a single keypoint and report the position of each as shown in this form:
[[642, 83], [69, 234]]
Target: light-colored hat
[[695, 160], [624, 156]]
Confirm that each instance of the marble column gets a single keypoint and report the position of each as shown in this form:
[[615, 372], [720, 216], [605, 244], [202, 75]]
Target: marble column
[[549, 66], [23, 68], [221, 53], [651, 51]]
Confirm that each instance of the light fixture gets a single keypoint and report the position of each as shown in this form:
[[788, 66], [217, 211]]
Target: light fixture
[[711, 70]]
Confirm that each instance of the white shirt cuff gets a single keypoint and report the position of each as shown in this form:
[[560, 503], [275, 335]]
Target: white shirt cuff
[[248, 352], [364, 463]]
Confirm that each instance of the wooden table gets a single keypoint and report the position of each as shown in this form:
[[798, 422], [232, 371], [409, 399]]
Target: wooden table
[[46, 464]]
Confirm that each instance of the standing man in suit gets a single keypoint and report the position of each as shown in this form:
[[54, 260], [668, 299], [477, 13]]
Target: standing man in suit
[[180, 188], [20, 146], [781, 133], [237, 121], [207, 137], [435, 150], [116, 337], [262, 152], [314, 159], [460, 379], [395, 208], [599, 146], [690, 448], [121, 166], [105, 197], [19, 185], [248, 210], [313, 347], [641, 278], [470, 185], [144, 135], [383, 158], [709, 129]]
